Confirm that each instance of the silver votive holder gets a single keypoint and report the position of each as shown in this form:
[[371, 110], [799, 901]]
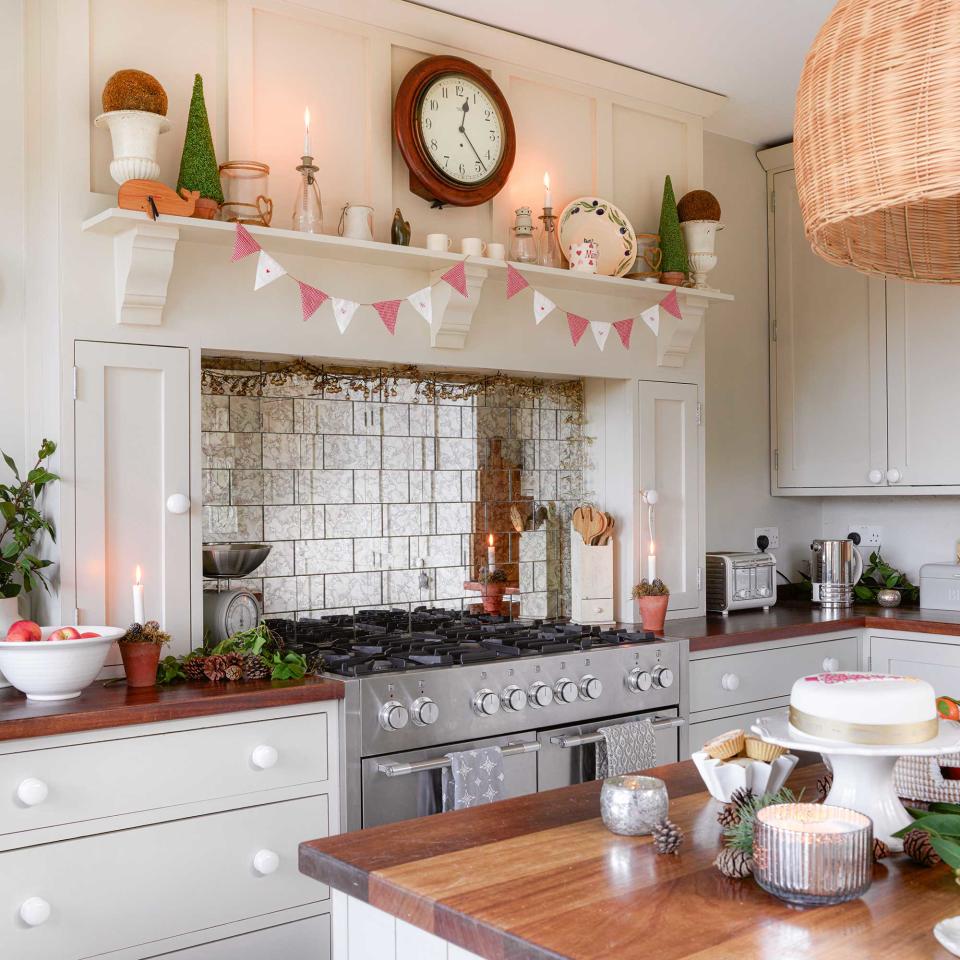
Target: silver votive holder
[[889, 598], [631, 805], [813, 854]]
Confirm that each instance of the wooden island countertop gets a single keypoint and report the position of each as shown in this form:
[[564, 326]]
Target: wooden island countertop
[[540, 878]]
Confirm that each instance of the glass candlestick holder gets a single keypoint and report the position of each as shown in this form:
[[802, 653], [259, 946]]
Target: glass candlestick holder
[[523, 245], [308, 208], [549, 254]]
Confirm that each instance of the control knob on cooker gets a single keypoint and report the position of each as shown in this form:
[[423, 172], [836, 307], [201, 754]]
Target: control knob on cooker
[[590, 687], [486, 703], [565, 690], [513, 698], [663, 677], [425, 711], [639, 680], [540, 695], [394, 715]]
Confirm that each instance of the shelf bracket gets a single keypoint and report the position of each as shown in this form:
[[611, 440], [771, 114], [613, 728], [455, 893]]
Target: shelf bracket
[[676, 336], [453, 314], [142, 264]]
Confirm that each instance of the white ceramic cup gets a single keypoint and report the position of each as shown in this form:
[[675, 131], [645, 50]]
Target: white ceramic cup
[[438, 241], [583, 256], [496, 251], [473, 246]]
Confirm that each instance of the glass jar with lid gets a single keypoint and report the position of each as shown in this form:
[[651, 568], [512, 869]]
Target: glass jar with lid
[[245, 192]]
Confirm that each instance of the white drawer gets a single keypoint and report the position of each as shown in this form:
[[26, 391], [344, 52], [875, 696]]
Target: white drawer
[[762, 674], [595, 611], [111, 777], [301, 940], [140, 886]]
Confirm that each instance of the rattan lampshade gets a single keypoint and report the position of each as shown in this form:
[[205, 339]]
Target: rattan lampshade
[[877, 138]]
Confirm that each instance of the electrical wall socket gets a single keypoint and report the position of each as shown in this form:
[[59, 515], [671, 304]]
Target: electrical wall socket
[[870, 534], [771, 533]]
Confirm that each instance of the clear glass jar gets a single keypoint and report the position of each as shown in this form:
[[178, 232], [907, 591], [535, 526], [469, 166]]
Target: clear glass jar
[[523, 245], [308, 208], [245, 192]]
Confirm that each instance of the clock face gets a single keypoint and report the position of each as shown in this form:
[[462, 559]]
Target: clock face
[[461, 129], [243, 613]]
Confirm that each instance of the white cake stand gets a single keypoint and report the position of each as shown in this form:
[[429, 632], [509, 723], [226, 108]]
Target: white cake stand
[[863, 773]]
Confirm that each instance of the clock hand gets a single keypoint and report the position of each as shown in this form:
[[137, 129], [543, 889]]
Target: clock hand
[[465, 108]]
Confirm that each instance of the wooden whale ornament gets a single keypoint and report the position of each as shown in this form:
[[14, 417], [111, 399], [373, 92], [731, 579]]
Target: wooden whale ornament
[[154, 198]]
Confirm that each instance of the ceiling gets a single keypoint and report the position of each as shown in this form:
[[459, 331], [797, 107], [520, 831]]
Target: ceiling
[[751, 51]]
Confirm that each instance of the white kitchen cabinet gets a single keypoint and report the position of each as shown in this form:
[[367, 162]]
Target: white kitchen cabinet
[[132, 444], [937, 662], [301, 940]]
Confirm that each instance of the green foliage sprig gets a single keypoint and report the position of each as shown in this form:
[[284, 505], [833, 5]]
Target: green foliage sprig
[[647, 589], [941, 823], [879, 575], [23, 523], [740, 835]]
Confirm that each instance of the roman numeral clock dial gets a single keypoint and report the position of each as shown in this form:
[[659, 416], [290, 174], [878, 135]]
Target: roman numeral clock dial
[[455, 132]]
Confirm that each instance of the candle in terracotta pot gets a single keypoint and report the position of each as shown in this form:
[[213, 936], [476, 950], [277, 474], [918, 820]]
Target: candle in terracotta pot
[[491, 555]]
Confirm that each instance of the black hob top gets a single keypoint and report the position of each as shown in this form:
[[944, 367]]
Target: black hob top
[[384, 641]]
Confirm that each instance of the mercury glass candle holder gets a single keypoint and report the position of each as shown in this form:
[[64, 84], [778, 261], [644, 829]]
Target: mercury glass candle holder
[[813, 854], [631, 805]]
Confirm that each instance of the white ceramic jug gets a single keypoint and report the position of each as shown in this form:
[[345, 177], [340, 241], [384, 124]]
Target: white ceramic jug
[[356, 221]]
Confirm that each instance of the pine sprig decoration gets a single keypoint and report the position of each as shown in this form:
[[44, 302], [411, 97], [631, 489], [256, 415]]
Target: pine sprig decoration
[[740, 835], [667, 836]]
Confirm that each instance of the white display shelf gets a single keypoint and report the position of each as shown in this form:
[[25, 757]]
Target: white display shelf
[[144, 255]]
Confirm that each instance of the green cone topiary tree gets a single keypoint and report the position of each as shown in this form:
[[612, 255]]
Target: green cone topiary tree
[[198, 164], [672, 247]]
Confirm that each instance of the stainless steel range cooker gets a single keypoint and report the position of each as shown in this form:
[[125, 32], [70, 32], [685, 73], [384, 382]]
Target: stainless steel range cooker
[[420, 685]]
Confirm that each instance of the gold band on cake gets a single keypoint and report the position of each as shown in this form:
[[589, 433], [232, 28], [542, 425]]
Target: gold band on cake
[[866, 733]]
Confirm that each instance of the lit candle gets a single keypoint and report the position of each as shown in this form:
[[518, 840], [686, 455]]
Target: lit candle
[[652, 563], [491, 554], [306, 132], [547, 195], [138, 598]]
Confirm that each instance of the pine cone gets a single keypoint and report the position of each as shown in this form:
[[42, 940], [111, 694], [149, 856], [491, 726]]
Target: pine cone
[[194, 668], [740, 797], [215, 667], [823, 786], [255, 667], [134, 630], [880, 850], [151, 625], [667, 836], [233, 670], [734, 863], [917, 846], [729, 815]]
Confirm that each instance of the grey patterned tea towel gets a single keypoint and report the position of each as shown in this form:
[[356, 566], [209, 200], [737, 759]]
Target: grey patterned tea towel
[[625, 748], [474, 777]]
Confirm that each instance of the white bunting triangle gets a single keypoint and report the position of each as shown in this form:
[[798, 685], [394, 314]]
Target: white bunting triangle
[[343, 311], [600, 332], [422, 302], [651, 317], [268, 270], [542, 306]]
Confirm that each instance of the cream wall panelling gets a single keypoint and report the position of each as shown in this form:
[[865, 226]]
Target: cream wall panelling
[[860, 368]]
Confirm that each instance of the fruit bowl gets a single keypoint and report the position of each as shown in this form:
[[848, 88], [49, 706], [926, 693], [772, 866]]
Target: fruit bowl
[[56, 669]]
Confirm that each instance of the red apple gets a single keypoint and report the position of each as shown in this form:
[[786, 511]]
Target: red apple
[[88, 636], [65, 633], [24, 631]]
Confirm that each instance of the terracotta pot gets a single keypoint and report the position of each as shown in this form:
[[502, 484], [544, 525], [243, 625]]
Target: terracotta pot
[[653, 611], [140, 663], [493, 597], [675, 278], [205, 209]]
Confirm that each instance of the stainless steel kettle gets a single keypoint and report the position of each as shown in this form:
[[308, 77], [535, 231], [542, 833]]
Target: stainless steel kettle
[[835, 568]]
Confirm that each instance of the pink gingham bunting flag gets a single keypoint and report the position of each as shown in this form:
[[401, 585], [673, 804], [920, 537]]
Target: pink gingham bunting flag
[[578, 326], [243, 244], [456, 276], [388, 313], [515, 282], [311, 299], [670, 304], [624, 328]]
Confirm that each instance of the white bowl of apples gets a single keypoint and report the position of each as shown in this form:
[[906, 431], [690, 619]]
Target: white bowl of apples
[[54, 663]]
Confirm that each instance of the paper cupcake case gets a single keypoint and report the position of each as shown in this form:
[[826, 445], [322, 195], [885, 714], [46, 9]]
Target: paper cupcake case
[[724, 777]]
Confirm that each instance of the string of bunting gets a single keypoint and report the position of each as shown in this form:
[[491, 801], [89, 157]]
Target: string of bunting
[[312, 298]]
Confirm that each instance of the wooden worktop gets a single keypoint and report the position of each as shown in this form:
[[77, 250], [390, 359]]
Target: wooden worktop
[[117, 705], [804, 619], [540, 878]]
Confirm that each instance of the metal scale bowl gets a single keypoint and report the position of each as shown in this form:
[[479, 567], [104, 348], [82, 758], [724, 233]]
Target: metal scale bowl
[[228, 610]]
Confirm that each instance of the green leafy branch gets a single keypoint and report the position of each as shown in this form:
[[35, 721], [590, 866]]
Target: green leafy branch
[[740, 835], [879, 575]]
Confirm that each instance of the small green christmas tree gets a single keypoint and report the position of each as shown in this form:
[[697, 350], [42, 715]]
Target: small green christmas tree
[[198, 164], [672, 247]]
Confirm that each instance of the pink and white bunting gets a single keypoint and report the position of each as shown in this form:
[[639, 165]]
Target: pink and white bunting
[[542, 306], [624, 328], [651, 317], [422, 302], [387, 309], [268, 270], [516, 281], [343, 311], [671, 305], [243, 243], [578, 326], [600, 331], [311, 299], [456, 276]]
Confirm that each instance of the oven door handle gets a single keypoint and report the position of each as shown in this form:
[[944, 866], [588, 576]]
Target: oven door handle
[[568, 742], [402, 769]]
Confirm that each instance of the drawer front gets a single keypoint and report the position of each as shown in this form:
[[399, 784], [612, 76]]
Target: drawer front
[[706, 730], [762, 674], [595, 611], [137, 886], [937, 663], [113, 777], [301, 940]]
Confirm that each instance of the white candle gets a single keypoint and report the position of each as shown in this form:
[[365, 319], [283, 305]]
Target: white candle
[[491, 555], [306, 132], [547, 195], [652, 563], [138, 598]]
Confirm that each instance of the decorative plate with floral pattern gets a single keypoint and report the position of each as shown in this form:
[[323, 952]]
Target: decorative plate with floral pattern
[[592, 218]]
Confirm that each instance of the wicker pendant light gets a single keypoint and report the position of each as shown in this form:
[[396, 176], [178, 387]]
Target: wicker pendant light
[[877, 139]]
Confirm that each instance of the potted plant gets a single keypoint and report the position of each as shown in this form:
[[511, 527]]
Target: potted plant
[[22, 524], [198, 164], [140, 649], [494, 586], [673, 265], [653, 599], [699, 213]]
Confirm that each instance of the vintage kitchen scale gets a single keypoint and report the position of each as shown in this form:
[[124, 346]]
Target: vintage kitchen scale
[[228, 610]]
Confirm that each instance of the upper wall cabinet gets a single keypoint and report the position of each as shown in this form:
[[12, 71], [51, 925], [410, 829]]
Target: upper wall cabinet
[[860, 368]]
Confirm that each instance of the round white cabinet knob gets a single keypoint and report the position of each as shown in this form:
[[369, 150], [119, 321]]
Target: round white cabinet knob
[[178, 503], [894, 475], [875, 476], [32, 791], [730, 681], [830, 664], [264, 757], [265, 862], [34, 911]]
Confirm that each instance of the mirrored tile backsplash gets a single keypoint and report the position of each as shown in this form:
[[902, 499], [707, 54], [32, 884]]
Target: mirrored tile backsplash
[[388, 498]]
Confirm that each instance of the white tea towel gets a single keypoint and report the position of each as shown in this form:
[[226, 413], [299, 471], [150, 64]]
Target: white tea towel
[[625, 748], [474, 777]]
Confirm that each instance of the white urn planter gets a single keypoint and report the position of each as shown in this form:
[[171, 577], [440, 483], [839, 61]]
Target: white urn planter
[[134, 134], [9, 614], [700, 238]]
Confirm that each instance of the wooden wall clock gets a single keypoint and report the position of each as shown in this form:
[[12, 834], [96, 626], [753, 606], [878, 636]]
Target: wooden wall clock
[[455, 132]]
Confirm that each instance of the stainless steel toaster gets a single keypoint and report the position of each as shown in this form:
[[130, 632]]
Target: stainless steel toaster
[[740, 581]]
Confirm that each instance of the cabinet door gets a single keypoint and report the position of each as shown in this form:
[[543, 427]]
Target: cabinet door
[[923, 343], [132, 452], [829, 355], [670, 464], [937, 663]]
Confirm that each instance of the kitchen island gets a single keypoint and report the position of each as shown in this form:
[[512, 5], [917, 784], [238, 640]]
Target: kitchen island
[[540, 878]]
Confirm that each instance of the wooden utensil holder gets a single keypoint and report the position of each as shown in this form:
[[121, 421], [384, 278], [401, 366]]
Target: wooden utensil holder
[[591, 575]]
